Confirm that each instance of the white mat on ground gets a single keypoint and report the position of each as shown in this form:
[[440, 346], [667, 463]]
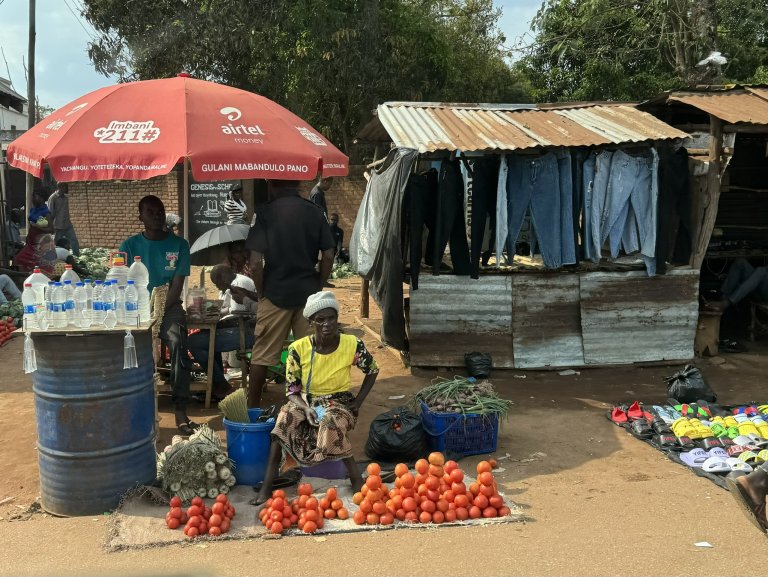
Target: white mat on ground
[[139, 522]]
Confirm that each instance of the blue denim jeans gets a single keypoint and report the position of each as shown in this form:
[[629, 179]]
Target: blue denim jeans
[[502, 211], [226, 340], [597, 169], [8, 286], [540, 184], [629, 215], [744, 279]]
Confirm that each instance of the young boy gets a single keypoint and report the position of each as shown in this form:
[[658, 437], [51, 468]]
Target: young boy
[[166, 257]]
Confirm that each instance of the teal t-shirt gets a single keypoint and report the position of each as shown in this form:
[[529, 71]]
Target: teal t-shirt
[[164, 259]]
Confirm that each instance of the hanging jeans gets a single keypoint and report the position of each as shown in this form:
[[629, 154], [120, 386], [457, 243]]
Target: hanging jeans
[[743, 279], [485, 178], [450, 219], [420, 199], [567, 235], [535, 184], [597, 169], [629, 214]]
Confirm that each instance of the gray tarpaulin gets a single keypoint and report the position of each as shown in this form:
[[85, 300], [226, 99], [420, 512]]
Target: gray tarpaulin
[[375, 247]]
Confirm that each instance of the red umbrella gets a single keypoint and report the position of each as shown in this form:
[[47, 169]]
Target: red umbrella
[[138, 130]]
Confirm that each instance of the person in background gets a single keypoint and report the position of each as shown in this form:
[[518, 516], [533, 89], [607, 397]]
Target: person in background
[[318, 369], [167, 259], [8, 287], [13, 232], [40, 225], [64, 254], [238, 294], [285, 242], [172, 222], [743, 279], [317, 194], [235, 207], [58, 204], [237, 259], [341, 255]]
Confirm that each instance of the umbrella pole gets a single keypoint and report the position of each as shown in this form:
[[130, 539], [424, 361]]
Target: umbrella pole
[[185, 199]]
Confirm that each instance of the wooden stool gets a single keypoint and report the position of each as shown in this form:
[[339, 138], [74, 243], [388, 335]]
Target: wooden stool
[[758, 322]]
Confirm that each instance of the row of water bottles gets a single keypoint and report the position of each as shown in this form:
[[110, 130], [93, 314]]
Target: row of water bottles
[[87, 303]]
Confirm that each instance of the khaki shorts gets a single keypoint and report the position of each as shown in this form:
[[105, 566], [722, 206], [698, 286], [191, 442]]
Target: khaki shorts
[[272, 327]]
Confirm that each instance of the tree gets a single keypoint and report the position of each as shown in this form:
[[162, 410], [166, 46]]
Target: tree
[[630, 50], [329, 61]]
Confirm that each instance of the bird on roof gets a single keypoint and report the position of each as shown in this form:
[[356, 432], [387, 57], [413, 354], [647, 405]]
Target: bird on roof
[[715, 58]]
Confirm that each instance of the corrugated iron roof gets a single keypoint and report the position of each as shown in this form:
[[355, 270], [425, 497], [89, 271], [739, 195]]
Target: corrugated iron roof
[[429, 127], [734, 106]]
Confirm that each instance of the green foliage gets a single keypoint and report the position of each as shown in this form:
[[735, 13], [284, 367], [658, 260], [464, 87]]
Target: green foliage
[[329, 61], [630, 50]]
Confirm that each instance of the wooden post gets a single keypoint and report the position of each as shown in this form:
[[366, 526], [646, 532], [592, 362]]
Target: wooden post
[[31, 102], [364, 299], [712, 192]]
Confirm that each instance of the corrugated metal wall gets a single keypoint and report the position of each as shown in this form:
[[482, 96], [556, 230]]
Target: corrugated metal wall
[[540, 320]]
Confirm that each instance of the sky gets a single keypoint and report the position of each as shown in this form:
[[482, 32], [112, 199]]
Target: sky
[[64, 71]]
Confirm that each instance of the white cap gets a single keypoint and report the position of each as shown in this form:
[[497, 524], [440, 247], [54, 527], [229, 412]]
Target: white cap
[[319, 301]]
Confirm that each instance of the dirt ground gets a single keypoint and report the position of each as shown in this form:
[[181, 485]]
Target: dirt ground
[[600, 502]]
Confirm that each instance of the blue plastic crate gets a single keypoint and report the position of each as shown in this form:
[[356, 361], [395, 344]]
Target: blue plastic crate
[[468, 434]]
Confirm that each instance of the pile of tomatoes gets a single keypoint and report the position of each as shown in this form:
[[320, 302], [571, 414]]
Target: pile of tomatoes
[[372, 500], [436, 494], [7, 326], [305, 511], [199, 519]]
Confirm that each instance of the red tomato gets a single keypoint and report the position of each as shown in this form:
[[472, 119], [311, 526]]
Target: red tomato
[[173, 523], [175, 501], [218, 508], [214, 531], [195, 511], [221, 499], [198, 502], [215, 520], [192, 532], [195, 521]]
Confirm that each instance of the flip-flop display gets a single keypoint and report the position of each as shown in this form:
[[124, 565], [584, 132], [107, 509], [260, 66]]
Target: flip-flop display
[[711, 440]]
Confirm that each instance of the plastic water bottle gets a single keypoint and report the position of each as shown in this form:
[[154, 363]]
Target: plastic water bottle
[[108, 301], [98, 305], [70, 274], [59, 304], [39, 283], [139, 274], [89, 293], [118, 271], [69, 301], [48, 297], [119, 302], [29, 301], [82, 310], [131, 304]]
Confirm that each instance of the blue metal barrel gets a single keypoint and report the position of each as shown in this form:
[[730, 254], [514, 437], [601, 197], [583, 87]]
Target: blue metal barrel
[[95, 420]]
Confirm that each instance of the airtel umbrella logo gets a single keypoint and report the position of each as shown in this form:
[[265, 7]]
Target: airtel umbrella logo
[[234, 114]]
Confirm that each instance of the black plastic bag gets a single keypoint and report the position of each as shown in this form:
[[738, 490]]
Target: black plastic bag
[[396, 436], [688, 386], [478, 365]]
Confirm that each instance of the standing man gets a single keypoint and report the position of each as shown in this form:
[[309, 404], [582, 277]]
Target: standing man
[[58, 204], [289, 235], [166, 257], [317, 194]]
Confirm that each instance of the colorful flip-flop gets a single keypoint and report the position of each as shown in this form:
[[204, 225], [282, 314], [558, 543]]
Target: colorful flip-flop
[[715, 465], [749, 457], [694, 457], [617, 416], [635, 411], [737, 465]]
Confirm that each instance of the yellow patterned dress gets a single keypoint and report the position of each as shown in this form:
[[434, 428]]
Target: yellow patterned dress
[[324, 380]]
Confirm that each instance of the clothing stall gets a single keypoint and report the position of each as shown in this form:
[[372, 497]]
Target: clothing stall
[[728, 147], [532, 234]]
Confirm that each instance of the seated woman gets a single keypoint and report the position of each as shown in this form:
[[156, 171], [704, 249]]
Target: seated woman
[[39, 226], [313, 425]]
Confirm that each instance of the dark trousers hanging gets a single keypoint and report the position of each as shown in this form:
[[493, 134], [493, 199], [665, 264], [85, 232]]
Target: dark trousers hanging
[[485, 181], [450, 219], [673, 236], [420, 202]]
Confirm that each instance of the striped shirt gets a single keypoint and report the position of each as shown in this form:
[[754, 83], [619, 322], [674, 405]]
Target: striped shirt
[[235, 211]]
